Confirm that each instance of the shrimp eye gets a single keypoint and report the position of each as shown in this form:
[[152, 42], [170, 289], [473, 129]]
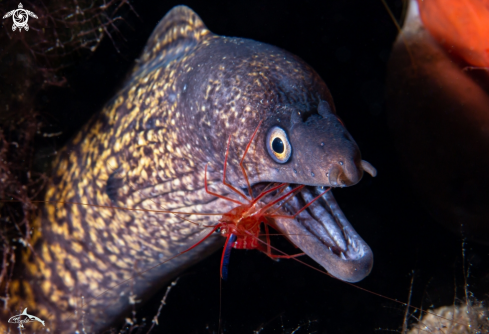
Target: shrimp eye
[[278, 145]]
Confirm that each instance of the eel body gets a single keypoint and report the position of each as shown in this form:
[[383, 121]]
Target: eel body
[[147, 150]]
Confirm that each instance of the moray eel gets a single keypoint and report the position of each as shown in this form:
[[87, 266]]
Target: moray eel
[[147, 150]]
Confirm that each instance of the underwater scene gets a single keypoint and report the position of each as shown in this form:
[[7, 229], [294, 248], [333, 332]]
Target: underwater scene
[[244, 166]]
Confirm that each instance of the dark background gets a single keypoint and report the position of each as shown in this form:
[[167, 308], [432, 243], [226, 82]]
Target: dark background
[[348, 43]]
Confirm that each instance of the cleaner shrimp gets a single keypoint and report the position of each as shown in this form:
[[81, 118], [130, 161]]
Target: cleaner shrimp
[[242, 225]]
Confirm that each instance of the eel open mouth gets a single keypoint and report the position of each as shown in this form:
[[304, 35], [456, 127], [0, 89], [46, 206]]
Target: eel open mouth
[[323, 232]]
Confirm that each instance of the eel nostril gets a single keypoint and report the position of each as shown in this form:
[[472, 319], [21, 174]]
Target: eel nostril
[[344, 173], [351, 173], [343, 180], [333, 175]]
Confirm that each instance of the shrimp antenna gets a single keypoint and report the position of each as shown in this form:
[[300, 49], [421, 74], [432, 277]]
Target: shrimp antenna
[[224, 173], [285, 255], [119, 207], [215, 194], [243, 157], [214, 228], [303, 208]]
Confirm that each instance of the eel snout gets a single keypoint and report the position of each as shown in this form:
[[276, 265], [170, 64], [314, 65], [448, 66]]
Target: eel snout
[[323, 232]]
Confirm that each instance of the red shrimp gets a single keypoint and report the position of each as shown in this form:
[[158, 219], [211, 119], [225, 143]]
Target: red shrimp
[[242, 225]]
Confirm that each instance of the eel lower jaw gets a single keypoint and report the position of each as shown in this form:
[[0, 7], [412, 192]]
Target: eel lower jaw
[[323, 232]]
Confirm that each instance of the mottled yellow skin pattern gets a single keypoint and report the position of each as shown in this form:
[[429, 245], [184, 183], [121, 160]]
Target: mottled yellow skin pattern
[[147, 150]]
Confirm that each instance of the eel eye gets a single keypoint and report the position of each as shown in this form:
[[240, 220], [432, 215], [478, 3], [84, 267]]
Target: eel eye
[[278, 145]]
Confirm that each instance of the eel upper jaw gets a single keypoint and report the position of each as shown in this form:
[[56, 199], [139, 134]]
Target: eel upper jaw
[[323, 232]]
